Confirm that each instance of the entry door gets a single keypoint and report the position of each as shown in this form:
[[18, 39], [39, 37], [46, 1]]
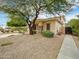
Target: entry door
[[48, 26]]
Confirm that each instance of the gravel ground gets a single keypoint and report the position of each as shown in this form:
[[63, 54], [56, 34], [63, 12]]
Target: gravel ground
[[30, 47], [76, 39]]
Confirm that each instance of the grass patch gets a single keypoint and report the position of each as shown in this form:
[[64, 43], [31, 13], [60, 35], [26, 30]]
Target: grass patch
[[6, 43]]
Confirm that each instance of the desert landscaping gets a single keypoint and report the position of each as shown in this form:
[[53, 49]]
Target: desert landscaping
[[39, 29], [30, 47]]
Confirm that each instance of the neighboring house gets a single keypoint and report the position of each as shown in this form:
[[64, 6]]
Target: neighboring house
[[55, 25]]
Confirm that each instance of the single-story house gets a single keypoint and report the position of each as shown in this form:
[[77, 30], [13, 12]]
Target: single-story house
[[55, 25]]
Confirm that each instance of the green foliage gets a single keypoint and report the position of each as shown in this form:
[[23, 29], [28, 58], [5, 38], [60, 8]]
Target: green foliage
[[16, 21], [28, 8], [58, 7], [76, 32], [6, 43], [1, 28], [19, 29], [47, 34], [74, 23]]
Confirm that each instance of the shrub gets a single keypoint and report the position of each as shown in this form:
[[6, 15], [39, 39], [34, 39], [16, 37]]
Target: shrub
[[76, 32], [47, 34], [19, 29], [6, 44]]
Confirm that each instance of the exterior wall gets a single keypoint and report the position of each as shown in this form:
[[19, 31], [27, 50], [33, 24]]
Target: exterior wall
[[44, 24], [63, 24], [39, 27], [44, 27], [52, 26], [55, 26], [58, 27]]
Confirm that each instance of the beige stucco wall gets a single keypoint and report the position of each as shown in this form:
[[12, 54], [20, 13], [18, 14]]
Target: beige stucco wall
[[58, 27], [55, 26], [38, 25], [52, 25]]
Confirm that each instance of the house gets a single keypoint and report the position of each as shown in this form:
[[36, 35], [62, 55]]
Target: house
[[55, 25]]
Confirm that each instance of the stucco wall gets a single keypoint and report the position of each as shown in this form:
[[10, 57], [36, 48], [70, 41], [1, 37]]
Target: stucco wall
[[55, 26], [52, 26], [58, 27]]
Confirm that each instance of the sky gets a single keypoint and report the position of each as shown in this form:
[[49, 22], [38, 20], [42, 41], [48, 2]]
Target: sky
[[70, 15], [3, 18]]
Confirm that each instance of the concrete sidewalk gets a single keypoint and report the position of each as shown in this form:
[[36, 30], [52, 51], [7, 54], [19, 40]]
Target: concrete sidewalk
[[68, 49]]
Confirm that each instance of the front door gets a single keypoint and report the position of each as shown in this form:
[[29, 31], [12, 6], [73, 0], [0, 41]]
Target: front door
[[48, 26]]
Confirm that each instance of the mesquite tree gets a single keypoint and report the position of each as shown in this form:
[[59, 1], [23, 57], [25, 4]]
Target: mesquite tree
[[30, 9]]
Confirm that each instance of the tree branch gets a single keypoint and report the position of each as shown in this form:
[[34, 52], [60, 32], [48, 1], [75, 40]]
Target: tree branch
[[37, 13]]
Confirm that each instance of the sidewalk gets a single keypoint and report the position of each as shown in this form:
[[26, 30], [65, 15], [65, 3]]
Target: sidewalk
[[68, 49]]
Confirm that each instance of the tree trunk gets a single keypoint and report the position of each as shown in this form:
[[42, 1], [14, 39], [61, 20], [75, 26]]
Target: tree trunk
[[32, 29]]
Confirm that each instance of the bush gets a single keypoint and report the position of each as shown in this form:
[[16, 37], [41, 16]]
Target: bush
[[47, 34], [76, 32], [19, 29], [6, 43]]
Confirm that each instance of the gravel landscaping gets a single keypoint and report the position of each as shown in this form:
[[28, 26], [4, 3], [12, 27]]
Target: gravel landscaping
[[30, 47], [76, 39]]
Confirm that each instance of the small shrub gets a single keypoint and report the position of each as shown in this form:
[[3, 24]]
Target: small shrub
[[19, 29], [47, 34], [7, 43]]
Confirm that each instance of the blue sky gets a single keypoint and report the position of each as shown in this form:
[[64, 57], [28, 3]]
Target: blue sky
[[3, 18], [70, 15]]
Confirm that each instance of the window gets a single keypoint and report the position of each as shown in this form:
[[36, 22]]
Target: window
[[48, 26]]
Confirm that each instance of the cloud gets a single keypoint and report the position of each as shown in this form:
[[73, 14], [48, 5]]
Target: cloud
[[73, 7], [1, 1], [72, 13], [71, 16], [3, 18], [68, 18]]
